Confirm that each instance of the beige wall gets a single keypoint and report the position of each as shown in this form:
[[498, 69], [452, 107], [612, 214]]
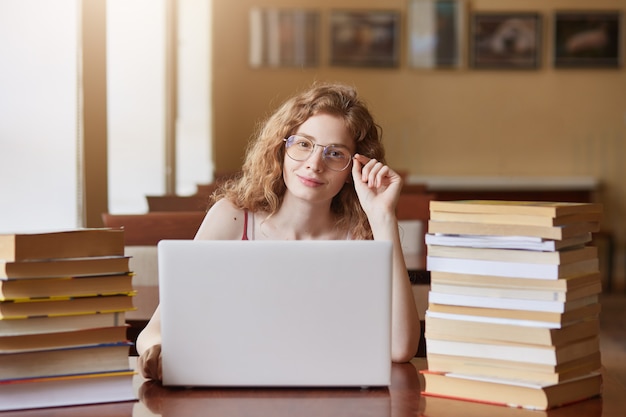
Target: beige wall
[[443, 122]]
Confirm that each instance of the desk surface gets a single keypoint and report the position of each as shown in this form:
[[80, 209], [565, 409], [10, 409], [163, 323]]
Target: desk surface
[[402, 399]]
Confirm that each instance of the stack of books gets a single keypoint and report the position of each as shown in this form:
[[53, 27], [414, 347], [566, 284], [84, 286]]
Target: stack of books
[[513, 307], [63, 298]]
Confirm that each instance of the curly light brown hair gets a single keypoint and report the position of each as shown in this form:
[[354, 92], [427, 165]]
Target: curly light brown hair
[[260, 186]]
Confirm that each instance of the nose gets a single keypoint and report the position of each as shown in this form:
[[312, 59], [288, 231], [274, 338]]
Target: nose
[[316, 160]]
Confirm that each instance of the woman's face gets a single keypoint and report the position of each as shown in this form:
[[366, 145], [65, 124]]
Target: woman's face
[[312, 179]]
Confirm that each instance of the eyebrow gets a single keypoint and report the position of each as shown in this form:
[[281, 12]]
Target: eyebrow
[[312, 138]]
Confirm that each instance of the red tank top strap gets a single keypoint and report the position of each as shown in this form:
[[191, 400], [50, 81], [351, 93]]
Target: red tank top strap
[[245, 225]]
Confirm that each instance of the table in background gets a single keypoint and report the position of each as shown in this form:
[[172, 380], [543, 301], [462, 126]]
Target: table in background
[[531, 188]]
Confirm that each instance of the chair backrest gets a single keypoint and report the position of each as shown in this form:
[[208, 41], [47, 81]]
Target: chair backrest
[[413, 212], [414, 206], [414, 188], [158, 203], [148, 229], [206, 189]]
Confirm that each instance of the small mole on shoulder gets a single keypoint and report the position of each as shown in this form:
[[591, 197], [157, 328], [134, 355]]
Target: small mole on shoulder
[[235, 218]]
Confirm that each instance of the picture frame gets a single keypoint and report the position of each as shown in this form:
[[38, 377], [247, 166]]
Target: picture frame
[[284, 37], [436, 33], [506, 40], [365, 38], [588, 39]]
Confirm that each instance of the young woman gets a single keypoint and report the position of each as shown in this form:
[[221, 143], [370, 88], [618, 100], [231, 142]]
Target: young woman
[[315, 171]]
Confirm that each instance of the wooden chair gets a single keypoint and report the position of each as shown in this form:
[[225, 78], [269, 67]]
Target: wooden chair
[[221, 176], [206, 189], [161, 203], [148, 228], [413, 213], [414, 206], [414, 188]]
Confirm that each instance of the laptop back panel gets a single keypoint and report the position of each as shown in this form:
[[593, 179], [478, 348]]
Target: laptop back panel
[[275, 313]]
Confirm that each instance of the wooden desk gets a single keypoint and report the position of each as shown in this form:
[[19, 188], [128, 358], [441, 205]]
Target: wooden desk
[[401, 399]]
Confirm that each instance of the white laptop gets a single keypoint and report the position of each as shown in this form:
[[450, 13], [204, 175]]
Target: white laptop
[[275, 313]]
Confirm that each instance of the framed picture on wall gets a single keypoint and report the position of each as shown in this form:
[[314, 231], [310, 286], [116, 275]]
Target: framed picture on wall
[[436, 33], [284, 37], [505, 41], [364, 38], [587, 39]]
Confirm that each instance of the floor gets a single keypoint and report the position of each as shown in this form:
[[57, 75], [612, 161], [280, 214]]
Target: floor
[[613, 334]]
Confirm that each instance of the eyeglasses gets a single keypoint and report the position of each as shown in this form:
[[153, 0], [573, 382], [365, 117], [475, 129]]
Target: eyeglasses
[[299, 148]]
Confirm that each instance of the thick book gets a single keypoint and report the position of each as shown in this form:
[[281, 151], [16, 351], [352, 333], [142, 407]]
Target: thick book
[[511, 370], [44, 341], [561, 257], [444, 328], [561, 285], [531, 208], [70, 267], [65, 361], [84, 305], [547, 232], [24, 289], [515, 219], [79, 243], [540, 354], [506, 242], [501, 315], [516, 293], [57, 324], [511, 393], [60, 391], [443, 407], [511, 269], [553, 306]]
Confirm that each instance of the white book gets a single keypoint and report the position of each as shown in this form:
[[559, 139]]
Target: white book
[[495, 320], [67, 390], [560, 257], [506, 242], [509, 303], [511, 269], [516, 292]]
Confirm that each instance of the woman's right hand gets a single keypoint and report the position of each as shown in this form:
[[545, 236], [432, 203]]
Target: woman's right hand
[[149, 363]]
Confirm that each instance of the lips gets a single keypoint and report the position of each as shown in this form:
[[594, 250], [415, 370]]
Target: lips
[[310, 182]]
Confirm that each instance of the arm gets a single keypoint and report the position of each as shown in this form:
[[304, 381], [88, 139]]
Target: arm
[[378, 188], [149, 348], [222, 222]]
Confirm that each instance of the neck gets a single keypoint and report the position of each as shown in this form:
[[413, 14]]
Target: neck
[[301, 220]]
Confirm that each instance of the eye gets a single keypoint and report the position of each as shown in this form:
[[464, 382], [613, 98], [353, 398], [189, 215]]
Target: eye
[[303, 143], [336, 153]]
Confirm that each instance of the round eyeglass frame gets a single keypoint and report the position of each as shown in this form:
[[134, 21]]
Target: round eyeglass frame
[[313, 145]]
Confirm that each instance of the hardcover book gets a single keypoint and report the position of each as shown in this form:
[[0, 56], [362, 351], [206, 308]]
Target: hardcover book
[[531, 208], [511, 393], [80, 243]]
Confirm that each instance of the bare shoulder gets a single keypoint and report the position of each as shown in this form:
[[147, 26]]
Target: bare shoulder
[[223, 221]]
